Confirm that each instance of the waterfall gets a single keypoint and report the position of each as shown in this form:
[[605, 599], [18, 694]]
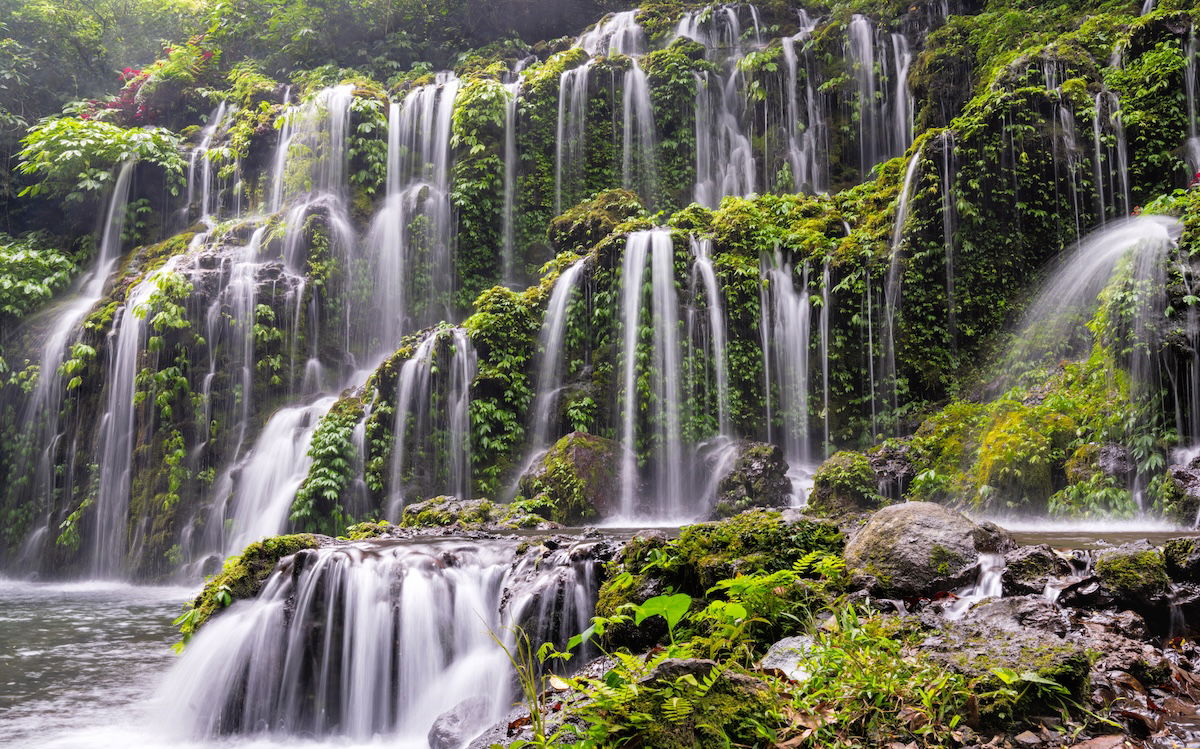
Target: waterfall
[[570, 146], [1193, 142], [885, 117], [40, 414], [704, 279], [117, 434], [639, 170], [508, 269], [789, 320], [663, 373], [949, 169], [545, 413], [261, 495], [218, 123], [892, 291], [421, 433], [379, 639]]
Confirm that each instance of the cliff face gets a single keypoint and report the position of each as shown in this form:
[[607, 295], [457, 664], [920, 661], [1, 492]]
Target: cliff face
[[684, 228]]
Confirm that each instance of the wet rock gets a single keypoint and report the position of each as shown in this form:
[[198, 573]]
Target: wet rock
[[1028, 569], [917, 549], [757, 478], [1182, 556], [785, 657], [1019, 614], [458, 725], [578, 479], [468, 514], [844, 484], [1133, 575], [893, 467]]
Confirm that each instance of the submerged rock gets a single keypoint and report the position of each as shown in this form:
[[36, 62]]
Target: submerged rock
[[1028, 568], [757, 478], [576, 480], [844, 484], [917, 549]]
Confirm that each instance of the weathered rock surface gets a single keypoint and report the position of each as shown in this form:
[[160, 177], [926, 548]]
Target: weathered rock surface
[[918, 549], [756, 478], [578, 479]]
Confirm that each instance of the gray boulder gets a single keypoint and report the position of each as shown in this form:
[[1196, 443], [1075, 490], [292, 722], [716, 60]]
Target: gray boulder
[[917, 549]]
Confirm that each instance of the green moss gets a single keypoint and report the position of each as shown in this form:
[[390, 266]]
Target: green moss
[[1133, 576], [844, 483], [241, 577]]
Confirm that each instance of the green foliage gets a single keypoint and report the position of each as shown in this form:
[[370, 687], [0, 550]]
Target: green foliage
[[73, 157], [318, 506], [31, 271]]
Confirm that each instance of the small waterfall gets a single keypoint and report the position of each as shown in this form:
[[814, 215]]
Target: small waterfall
[[40, 414], [260, 490], [411, 238], [550, 368], [892, 292], [377, 639], [508, 252], [949, 215], [639, 170], [665, 441], [117, 433], [1112, 181], [704, 279], [570, 146], [1189, 81], [789, 320], [218, 124], [438, 373], [807, 137], [885, 117]]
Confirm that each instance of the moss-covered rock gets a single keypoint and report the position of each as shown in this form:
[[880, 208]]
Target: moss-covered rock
[[757, 478], [844, 484], [1133, 576], [242, 577], [468, 514], [918, 549], [577, 480]]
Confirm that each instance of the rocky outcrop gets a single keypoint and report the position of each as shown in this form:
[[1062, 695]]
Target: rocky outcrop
[[576, 480], [844, 484], [917, 549], [756, 478]]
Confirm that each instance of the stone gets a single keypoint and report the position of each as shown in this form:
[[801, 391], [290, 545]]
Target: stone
[[917, 549], [578, 478], [458, 725], [1028, 569], [785, 656], [757, 477], [843, 484]]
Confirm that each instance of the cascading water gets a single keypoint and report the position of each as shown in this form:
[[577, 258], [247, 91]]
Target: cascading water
[[660, 431], [431, 451], [789, 320], [378, 639], [117, 433], [40, 414], [892, 291], [550, 368]]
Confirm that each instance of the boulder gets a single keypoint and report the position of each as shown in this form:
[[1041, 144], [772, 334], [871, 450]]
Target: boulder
[[845, 483], [893, 467], [1028, 568], [576, 480], [756, 478], [917, 549], [785, 657], [457, 726], [1133, 575]]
